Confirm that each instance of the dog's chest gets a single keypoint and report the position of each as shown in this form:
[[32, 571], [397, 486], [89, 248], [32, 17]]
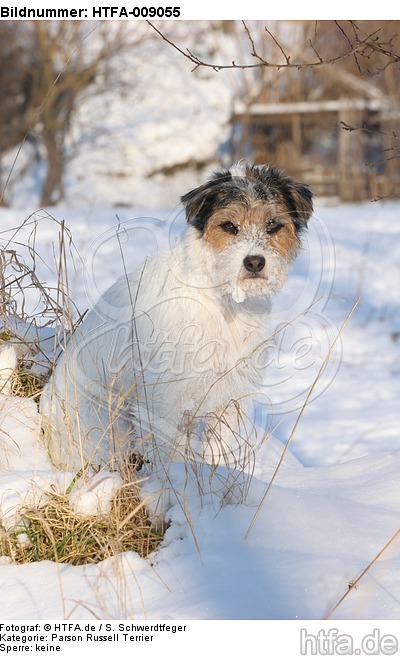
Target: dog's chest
[[191, 345], [184, 341]]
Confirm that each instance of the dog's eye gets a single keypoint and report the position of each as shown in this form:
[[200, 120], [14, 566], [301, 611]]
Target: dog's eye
[[273, 226], [228, 226]]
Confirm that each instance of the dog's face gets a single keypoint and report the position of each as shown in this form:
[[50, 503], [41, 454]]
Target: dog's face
[[250, 219]]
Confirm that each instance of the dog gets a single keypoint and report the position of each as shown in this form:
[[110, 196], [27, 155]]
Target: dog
[[163, 367]]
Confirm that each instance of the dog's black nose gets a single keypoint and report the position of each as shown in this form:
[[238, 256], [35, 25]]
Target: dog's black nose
[[254, 263]]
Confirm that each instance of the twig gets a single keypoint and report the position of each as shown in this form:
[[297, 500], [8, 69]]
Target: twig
[[320, 60], [358, 48], [287, 57], [353, 584], [349, 42]]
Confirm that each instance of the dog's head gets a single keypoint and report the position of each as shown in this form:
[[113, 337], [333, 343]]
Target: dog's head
[[250, 219]]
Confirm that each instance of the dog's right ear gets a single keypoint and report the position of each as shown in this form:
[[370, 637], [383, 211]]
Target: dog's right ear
[[194, 201], [201, 202]]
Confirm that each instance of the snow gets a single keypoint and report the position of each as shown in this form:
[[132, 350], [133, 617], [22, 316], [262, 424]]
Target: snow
[[334, 503], [93, 497]]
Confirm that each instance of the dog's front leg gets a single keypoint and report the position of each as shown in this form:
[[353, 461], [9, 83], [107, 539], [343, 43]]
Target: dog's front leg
[[220, 448]]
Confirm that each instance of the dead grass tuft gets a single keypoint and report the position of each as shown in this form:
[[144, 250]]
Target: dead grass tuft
[[27, 383], [56, 532]]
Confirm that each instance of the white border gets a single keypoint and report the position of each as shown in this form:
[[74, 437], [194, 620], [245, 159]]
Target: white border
[[207, 10]]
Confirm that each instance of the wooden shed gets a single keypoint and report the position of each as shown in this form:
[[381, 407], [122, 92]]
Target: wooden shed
[[341, 147]]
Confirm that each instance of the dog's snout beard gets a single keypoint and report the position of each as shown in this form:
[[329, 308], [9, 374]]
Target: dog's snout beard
[[250, 282]]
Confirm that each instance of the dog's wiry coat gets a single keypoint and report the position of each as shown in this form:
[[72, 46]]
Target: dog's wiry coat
[[170, 348]]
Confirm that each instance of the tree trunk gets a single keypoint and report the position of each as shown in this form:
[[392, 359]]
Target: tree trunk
[[53, 189]]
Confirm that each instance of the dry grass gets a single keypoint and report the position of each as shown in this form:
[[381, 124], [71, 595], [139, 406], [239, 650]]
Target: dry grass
[[23, 382], [27, 383], [55, 532]]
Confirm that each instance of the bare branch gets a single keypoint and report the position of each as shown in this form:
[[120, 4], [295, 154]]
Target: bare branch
[[320, 60], [253, 47], [357, 47], [287, 57]]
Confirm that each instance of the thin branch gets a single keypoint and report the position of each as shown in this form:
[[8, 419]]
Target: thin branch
[[253, 46], [359, 47], [287, 57], [320, 60], [349, 42], [353, 584]]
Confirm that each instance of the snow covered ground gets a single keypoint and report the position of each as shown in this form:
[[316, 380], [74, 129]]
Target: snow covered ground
[[334, 503]]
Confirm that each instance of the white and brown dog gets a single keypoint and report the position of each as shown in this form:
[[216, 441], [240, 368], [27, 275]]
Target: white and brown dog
[[164, 364]]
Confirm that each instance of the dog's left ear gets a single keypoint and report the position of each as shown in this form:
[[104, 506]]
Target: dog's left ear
[[302, 197]]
